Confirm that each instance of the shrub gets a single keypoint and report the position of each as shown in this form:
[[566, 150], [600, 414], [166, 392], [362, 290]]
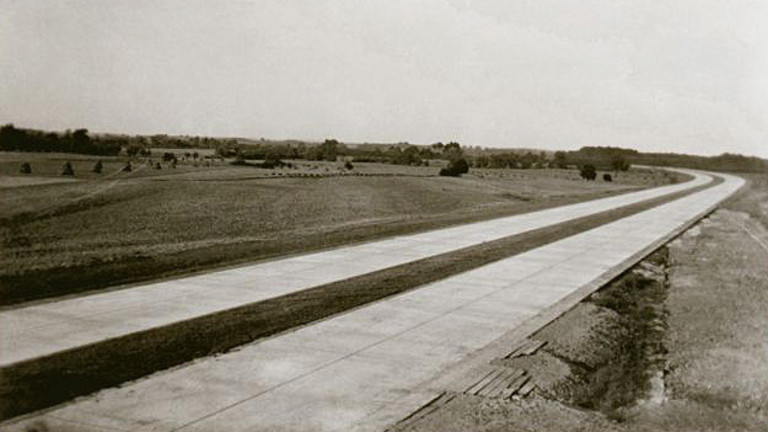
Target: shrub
[[460, 166], [26, 168], [607, 177], [67, 170], [348, 165], [272, 160], [445, 172], [98, 167], [127, 167], [158, 166], [455, 168], [588, 172]]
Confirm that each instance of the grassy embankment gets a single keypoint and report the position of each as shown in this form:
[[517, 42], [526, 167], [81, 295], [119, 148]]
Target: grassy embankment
[[119, 228]]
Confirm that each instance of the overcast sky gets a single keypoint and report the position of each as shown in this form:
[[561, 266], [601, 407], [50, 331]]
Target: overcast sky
[[657, 75]]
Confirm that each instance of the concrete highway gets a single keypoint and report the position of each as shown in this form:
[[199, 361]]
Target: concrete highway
[[43, 329], [363, 369]]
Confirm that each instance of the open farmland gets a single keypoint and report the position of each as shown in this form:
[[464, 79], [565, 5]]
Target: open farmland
[[130, 226]]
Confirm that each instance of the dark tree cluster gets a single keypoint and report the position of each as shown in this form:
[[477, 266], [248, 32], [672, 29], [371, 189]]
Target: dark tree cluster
[[513, 160], [620, 159], [605, 158], [588, 172], [25, 140]]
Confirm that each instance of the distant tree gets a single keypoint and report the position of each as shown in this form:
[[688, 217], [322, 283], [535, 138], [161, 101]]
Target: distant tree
[[527, 160], [607, 177], [98, 167], [561, 161], [330, 149], [26, 168], [619, 163], [81, 142], [406, 156], [460, 166], [195, 155], [348, 166], [67, 169], [588, 172], [455, 168], [11, 139], [452, 151], [133, 149], [169, 157], [272, 160]]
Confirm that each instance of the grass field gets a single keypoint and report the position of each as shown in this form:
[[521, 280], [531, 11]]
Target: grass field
[[122, 227]]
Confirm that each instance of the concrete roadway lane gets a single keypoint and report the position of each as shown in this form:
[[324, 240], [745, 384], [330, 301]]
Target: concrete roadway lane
[[35, 331], [362, 370]]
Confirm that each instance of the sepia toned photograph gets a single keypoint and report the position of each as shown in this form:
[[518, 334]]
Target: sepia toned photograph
[[383, 215]]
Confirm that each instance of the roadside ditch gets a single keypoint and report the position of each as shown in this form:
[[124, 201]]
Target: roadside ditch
[[608, 352]]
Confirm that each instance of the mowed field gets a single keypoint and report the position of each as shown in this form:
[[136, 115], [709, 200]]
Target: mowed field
[[100, 230]]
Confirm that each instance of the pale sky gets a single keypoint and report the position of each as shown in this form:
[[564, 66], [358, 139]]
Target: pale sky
[[656, 75]]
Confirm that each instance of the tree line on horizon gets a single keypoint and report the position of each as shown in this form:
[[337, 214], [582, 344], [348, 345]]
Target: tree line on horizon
[[605, 158], [80, 141]]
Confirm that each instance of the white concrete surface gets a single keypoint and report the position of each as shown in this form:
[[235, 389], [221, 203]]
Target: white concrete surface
[[39, 330], [358, 370]]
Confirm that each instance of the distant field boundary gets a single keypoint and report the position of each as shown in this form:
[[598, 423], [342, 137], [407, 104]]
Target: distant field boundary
[[50, 380]]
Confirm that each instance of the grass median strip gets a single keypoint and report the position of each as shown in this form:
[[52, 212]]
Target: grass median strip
[[43, 382]]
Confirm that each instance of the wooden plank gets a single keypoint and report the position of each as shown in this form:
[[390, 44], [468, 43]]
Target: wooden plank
[[533, 347], [500, 382], [527, 348], [487, 382], [495, 393], [527, 388], [515, 386], [516, 348], [474, 388]]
